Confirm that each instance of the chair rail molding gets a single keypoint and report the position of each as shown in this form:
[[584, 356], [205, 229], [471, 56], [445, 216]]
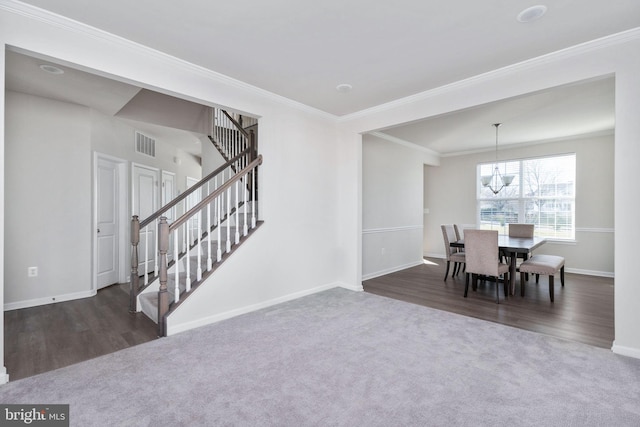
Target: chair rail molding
[[391, 229]]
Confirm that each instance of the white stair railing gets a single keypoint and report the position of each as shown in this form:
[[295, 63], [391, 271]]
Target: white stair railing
[[144, 237], [221, 196], [228, 134], [228, 198]]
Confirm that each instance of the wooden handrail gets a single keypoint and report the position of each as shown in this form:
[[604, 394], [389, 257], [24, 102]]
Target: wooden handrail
[[191, 189], [236, 124], [191, 212]]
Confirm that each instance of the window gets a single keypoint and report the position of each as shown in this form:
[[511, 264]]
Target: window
[[542, 193]]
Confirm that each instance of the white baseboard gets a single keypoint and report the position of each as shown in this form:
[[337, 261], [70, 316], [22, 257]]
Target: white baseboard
[[590, 272], [175, 329], [626, 351], [355, 288], [48, 300], [390, 270]]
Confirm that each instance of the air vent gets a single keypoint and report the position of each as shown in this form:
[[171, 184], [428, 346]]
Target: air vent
[[145, 145]]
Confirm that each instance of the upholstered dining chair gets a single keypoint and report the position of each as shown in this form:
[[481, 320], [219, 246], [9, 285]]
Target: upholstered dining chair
[[452, 254], [457, 231], [522, 230], [483, 260], [459, 235]]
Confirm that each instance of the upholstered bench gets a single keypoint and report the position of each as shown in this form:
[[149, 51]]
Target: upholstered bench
[[546, 265]]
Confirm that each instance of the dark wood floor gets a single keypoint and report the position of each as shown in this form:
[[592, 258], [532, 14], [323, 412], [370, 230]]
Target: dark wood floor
[[43, 338], [582, 311], [48, 337]]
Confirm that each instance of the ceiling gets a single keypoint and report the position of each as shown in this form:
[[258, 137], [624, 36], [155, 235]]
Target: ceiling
[[384, 50], [580, 109], [160, 116]]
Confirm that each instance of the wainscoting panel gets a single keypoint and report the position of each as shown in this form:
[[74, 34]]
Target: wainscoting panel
[[385, 250]]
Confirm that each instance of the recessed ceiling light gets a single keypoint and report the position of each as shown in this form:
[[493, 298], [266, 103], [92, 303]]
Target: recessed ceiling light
[[532, 13], [344, 88], [51, 69]]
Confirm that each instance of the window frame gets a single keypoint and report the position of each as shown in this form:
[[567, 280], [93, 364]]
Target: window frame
[[566, 197]]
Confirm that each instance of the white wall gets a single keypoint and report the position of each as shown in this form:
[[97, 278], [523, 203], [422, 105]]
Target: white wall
[[392, 230], [115, 137], [48, 200], [48, 167], [294, 252], [593, 249]]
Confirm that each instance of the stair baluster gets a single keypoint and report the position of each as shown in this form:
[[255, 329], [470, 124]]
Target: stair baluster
[[176, 271], [187, 257], [237, 235], [199, 268], [146, 258], [209, 260], [228, 203], [245, 229]]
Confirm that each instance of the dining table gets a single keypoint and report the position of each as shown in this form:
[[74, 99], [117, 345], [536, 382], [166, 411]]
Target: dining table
[[511, 247]]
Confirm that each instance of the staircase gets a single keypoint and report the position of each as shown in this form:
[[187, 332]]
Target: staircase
[[170, 260]]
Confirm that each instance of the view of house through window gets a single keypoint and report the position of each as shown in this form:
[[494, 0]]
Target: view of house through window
[[542, 193]]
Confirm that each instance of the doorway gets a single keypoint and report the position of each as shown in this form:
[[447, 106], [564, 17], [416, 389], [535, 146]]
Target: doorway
[[109, 245], [167, 195], [144, 195]]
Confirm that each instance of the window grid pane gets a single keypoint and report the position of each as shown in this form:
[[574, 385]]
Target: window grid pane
[[542, 193]]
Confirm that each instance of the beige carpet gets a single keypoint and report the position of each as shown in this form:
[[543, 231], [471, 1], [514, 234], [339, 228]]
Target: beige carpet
[[341, 358]]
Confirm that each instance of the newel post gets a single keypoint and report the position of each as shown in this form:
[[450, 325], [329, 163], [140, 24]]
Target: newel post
[[134, 278], [163, 294]]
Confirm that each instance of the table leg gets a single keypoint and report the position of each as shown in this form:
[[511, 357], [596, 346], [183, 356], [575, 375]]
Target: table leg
[[512, 272]]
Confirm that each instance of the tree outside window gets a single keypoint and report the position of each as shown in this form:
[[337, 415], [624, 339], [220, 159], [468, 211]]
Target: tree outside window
[[542, 193]]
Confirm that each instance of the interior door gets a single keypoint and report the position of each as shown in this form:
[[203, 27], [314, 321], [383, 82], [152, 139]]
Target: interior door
[[145, 203], [192, 200], [168, 194], [107, 232]]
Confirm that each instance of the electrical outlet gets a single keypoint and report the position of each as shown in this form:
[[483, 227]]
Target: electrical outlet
[[32, 272], [383, 251]]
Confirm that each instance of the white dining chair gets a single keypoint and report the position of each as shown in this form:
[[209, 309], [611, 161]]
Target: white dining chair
[[452, 254], [483, 260]]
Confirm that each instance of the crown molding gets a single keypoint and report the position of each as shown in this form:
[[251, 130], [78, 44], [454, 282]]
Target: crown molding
[[408, 144], [504, 147], [50, 18], [68, 24], [579, 49]]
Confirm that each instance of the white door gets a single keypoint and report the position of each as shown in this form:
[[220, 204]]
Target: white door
[[192, 200], [168, 194], [107, 224], [144, 203]]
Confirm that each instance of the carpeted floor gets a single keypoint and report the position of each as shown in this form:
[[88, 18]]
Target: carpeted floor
[[342, 358]]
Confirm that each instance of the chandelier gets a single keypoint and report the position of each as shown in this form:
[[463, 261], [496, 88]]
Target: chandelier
[[496, 181]]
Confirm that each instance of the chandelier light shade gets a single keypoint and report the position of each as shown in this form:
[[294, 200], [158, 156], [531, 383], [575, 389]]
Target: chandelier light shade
[[496, 181]]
